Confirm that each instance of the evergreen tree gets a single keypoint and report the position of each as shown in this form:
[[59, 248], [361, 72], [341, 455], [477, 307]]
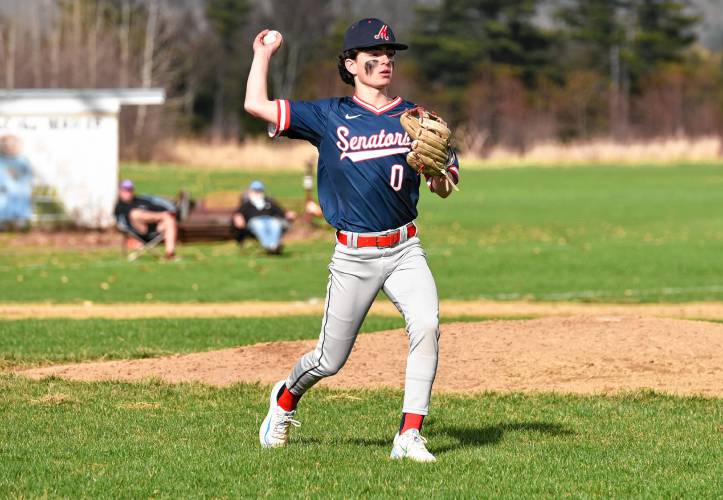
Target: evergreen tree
[[452, 40], [664, 31], [591, 30], [625, 37]]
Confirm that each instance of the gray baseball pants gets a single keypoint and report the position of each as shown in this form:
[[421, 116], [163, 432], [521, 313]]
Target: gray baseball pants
[[356, 276]]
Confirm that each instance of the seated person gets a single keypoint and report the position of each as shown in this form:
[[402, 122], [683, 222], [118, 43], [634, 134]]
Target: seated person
[[263, 217], [147, 216], [16, 178]]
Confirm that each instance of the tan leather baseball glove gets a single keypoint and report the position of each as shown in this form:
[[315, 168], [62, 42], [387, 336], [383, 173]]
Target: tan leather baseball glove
[[430, 136]]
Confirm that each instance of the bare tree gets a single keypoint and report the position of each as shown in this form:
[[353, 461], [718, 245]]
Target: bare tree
[[10, 55], [301, 34], [125, 43], [93, 44], [3, 57], [227, 19], [147, 68], [36, 49], [54, 39], [77, 43]]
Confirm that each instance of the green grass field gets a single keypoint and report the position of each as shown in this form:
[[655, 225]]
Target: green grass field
[[109, 440], [621, 234], [114, 439], [635, 234]]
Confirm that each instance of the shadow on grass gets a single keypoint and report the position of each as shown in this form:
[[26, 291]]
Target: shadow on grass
[[381, 442], [492, 434], [472, 436]]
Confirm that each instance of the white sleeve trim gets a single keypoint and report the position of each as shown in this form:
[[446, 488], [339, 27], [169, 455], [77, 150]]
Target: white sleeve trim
[[283, 118]]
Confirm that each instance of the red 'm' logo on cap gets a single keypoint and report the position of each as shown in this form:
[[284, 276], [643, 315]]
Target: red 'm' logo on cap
[[382, 35]]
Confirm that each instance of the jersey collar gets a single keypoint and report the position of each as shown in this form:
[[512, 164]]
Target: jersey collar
[[378, 111]]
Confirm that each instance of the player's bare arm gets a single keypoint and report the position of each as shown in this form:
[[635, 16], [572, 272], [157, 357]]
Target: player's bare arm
[[441, 186], [257, 101], [444, 185]]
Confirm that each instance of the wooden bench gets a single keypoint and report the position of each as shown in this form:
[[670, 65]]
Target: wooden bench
[[204, 224]]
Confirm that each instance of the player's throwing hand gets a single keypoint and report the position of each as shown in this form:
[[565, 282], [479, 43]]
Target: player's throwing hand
[[262, 47]]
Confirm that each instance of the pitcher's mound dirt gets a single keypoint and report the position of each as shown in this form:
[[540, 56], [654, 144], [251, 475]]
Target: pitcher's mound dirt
[[571, 354]]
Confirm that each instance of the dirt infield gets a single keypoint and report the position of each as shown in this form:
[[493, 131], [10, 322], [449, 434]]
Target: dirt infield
[[511, 309], [579, 354]]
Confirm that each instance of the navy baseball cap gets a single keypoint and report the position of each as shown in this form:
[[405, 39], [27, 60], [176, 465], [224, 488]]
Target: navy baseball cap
[[370, 32]]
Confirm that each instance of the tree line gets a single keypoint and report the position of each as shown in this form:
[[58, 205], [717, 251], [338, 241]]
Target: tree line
[[505, 72]]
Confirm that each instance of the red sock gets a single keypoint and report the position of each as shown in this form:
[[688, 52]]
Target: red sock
[[411, 421], [287, 400]]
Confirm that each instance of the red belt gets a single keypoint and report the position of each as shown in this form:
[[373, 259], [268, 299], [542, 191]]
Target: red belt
[[384, 241]]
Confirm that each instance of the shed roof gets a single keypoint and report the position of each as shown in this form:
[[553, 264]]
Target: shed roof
[[39, 101]]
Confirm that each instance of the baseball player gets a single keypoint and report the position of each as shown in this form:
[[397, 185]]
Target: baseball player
[[368, 192]]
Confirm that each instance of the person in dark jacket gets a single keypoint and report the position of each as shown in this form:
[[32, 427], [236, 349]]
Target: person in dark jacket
[[263, 217], [147, 216]]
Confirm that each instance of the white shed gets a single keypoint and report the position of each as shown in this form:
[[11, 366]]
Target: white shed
[[70, 139]]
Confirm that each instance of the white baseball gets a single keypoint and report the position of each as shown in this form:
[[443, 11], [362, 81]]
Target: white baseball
[[270, 37]]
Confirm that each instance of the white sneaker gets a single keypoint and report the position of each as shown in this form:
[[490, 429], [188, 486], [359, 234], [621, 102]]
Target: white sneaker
[[411, 445], [274, 431]]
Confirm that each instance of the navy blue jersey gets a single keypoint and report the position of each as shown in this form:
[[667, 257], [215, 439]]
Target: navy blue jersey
[[364, 181]]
